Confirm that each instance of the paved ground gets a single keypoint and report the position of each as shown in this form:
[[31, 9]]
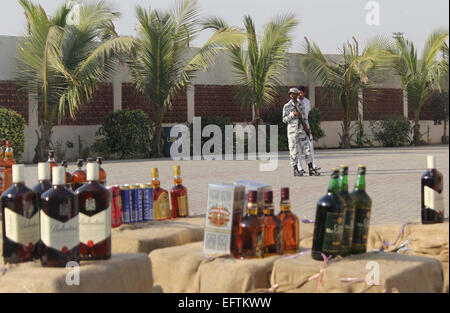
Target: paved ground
[[393, 178]]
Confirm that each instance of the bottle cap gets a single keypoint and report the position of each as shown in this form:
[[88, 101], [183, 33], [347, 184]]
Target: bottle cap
[[51, 154], [431, 161], [92, 171], [43, 171], [361, 170], [64, 163], [268, 196], [80, 162], [18, 173], [99, 160], [334, 173], [59, 175], [285, 193], [176, 170], [252, 196], [8, 143], [344, 169], [155, 172]]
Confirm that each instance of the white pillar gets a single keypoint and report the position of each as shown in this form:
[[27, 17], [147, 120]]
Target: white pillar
[[360, 104], [312, 94], [30, 129], [190, 95], [117, 91], [405, 103]]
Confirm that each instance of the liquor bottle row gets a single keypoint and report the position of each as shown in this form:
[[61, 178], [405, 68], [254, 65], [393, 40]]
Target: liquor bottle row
[[6, 163], [54, 223], [147, 202], [342, 220]]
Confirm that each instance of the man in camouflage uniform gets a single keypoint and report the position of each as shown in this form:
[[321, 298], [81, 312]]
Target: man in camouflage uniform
[[297, 138]]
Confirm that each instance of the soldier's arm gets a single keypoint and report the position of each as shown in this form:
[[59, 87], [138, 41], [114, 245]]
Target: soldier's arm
[[287, 116]]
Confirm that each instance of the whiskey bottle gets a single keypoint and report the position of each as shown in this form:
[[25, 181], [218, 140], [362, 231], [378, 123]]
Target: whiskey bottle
[[20, 219], [94, 216], [329, 222], [251, 231], [51, 161], [79, 175], [2, 169], [9, 162], [69, 177], [161, 205], [59, 223], [349, 216], [432, 194], [363, 206], [102, 172], [290, 224], [178, 195], [273, 228]]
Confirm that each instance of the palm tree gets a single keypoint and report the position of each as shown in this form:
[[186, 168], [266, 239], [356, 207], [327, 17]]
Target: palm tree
[[260, 63], [345, 77], [61, 63], [161, 63], [420, 77]]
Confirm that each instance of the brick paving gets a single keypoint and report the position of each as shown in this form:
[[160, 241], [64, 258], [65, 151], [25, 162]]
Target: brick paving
[[393, 178]]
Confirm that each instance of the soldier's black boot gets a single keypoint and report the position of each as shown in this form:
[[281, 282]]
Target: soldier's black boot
[[297, 172], [312, 170]]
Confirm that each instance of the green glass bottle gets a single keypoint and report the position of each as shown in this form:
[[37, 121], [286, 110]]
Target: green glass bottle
[[363, 205], [349, 216], [329, 223]]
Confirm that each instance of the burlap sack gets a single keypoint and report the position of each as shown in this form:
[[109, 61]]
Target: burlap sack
[[424, 240], [122, 273], [148, 236], [397, 273]]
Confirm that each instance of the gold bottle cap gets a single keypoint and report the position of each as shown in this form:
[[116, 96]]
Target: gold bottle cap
[[134, 186], [155, 172], [145, 186], [176, 170], [124, 187]]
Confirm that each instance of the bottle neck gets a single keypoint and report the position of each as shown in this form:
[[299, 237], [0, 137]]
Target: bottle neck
[[343, 183], [360, 182], [285, 206], [252, 209], [268, 209], [155, 182], [177, 180], [333, 186]]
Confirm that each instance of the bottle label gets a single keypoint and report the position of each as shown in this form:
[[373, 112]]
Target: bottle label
[[183, 207], [334, 229], [95, 228], [361, 227], [2, 178], [259, 244], [348, 227], [162, 206], [433, 199], [20, 229], [60, 236]]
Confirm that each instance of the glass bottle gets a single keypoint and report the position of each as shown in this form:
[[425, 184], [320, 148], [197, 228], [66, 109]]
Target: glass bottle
[[290, 224], [102, 172], [95, 217], [349, 216], [273, 228], [51, 161], [2, 169], [9, 162], [59, 223], [69, 177], [432, 194], [20, 219], [161, 205], [329, 222], [363, 206], [79, 175], [251, 231], [178, 195]]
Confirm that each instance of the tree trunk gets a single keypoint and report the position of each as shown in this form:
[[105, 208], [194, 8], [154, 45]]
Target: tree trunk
[[417, 135], [346, 132], [43, 141]]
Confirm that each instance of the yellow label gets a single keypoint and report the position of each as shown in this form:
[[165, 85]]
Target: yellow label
[[162, 207], [183, 206]]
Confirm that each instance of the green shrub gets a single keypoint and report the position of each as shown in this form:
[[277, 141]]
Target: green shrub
[[393, 131], [314, 123], [12, 126], [126, 133]]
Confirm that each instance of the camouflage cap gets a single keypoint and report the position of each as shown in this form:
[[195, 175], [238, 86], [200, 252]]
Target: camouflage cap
[[293, 90]]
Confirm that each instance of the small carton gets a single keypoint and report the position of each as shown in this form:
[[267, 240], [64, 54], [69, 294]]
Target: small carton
[[259, 187], [223, 215]]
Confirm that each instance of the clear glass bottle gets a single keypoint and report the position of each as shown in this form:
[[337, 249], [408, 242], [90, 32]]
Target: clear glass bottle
[[290, 224], [178, 195], [20, 219], [95, 217], [273, 228], [161, 205]]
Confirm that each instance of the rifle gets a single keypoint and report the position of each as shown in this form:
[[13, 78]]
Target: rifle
[[302, 122]]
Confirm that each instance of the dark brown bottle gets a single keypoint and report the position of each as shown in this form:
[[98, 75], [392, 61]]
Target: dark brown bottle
[[42, 186], [59, 223], [20, 219], [349, 216], [79, 175], [251, 231], [273, 228], [291, 224], [432, 194], [95, 217], [329, 222], [102, 172]]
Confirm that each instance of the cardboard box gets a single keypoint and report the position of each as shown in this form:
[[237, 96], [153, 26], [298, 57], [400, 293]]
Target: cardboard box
[[259, 187], [223, 213]]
